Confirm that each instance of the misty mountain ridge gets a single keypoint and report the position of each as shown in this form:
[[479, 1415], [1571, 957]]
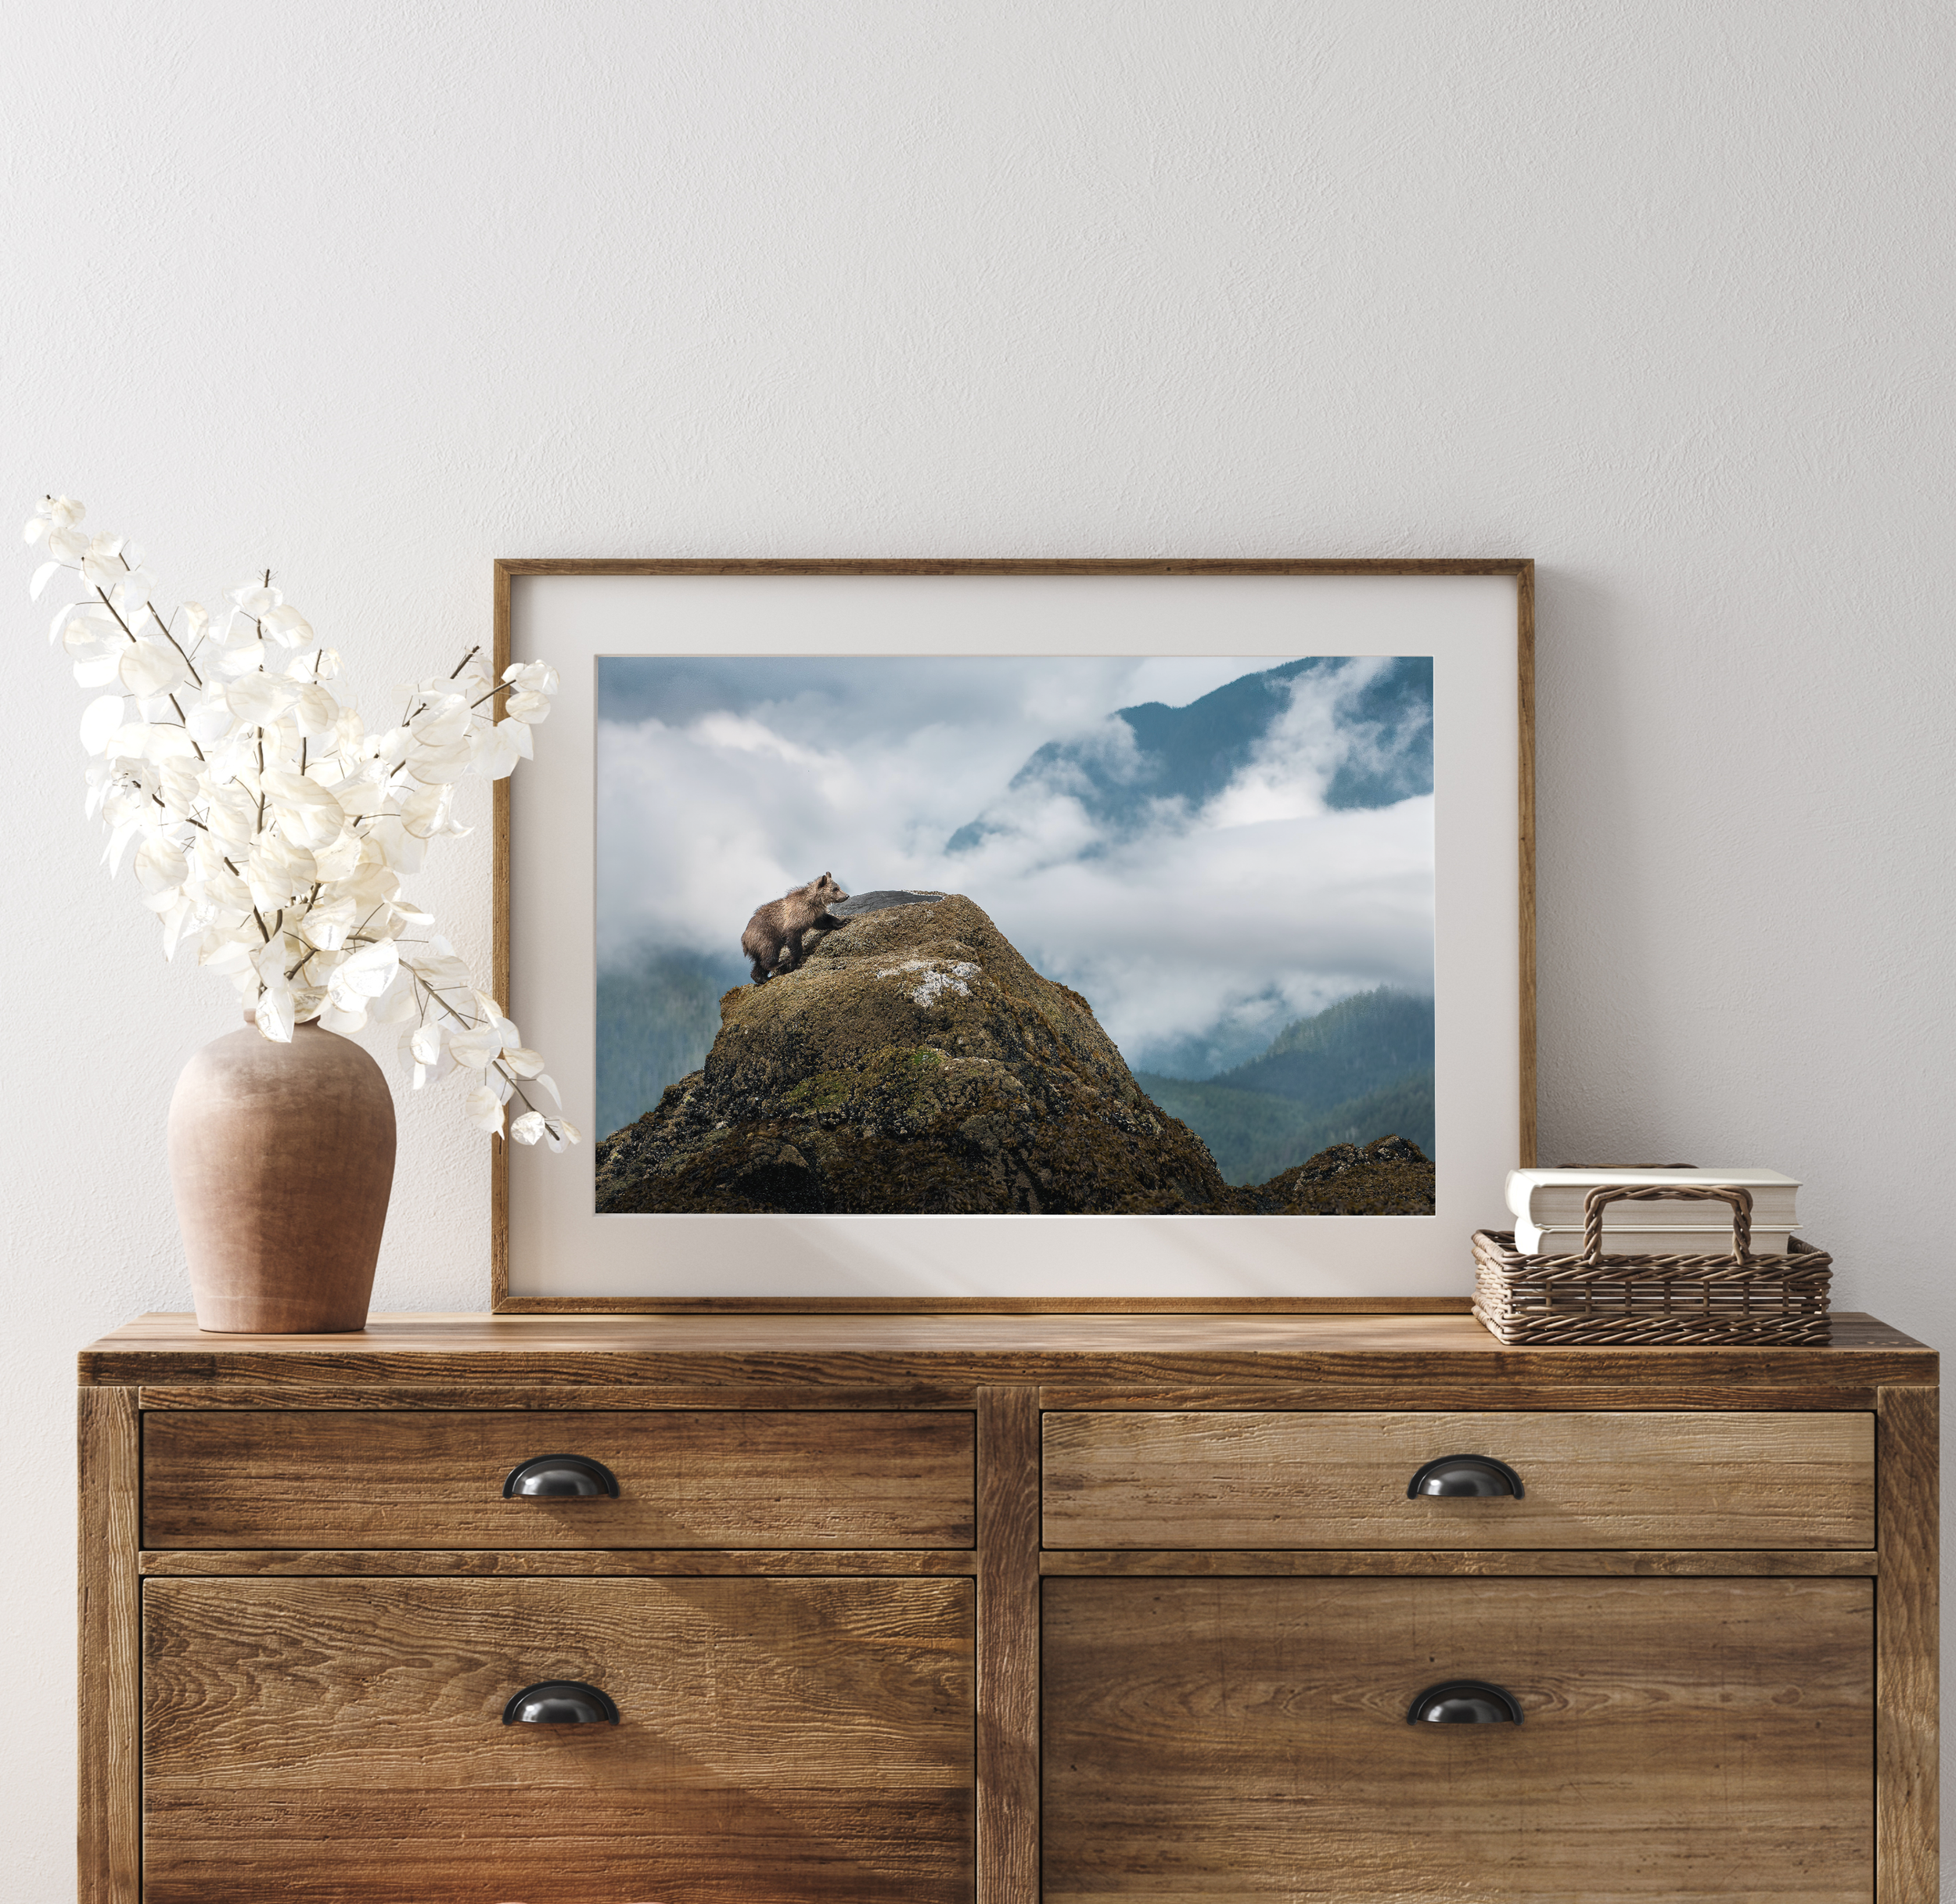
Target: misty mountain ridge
[[1188, 755], [1346, 1050], [1254, 1136], [656, 1022], [1245, 1034], [1360, 1069]]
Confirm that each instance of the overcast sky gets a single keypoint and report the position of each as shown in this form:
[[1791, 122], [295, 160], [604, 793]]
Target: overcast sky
[[722, 783]]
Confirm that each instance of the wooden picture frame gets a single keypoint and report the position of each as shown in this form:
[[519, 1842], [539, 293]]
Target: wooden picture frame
[[1498, 756]]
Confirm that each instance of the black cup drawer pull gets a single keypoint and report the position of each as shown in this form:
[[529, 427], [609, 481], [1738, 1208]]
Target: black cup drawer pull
[[560, 1702], [560, 1476], [1465, 1702], [1457, 1475]]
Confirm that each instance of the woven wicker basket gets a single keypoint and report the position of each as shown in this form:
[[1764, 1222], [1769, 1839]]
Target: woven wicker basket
[[1736, 1298]]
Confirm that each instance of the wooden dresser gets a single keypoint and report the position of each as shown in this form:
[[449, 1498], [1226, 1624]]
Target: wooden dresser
[[933, 1607]]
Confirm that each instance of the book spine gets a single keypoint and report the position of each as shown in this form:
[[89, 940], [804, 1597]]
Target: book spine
[[1558, 1210], [1532, 1240]]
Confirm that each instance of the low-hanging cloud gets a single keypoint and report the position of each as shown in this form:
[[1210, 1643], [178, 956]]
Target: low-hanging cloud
[[1256, 904]]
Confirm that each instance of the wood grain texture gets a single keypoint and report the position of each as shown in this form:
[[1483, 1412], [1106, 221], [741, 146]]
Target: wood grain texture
[[1460, 1395], [1008, 1647], [449, 1396], [1906, 1768], [499, 942], [341, 1742], [1331, 1352], [1567, 1562], [753, 1478], [463, 1564], [262, 1637], [1257, 1479], [1524, 844], [109, 1843], [1280, 564], [1695, 1742], [984, 1306], [517, 1563], [1520, 568]]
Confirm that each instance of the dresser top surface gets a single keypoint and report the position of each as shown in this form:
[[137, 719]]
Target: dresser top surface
[[854, 1348]]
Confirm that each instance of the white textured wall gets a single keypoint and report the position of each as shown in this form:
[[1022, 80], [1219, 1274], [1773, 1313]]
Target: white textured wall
[[1657, 292]]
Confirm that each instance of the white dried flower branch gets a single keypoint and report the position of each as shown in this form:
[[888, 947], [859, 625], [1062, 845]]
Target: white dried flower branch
[[272, 827]]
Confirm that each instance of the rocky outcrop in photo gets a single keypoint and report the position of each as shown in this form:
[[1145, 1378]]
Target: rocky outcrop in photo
[[915, 1062], [1390, 1177]]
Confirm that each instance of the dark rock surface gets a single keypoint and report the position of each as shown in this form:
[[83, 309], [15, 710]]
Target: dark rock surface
[[916, 1063]]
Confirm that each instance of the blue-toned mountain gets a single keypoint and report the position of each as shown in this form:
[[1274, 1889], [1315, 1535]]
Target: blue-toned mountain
[[1347, 1049], [1383, 745], [1359, 1070]]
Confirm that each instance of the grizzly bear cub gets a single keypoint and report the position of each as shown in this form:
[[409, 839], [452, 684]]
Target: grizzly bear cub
[[773, 937]]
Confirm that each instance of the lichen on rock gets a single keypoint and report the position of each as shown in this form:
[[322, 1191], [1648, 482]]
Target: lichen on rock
[[915, 1062]]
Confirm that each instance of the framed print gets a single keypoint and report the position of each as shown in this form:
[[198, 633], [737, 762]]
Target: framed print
[[1017, 935]]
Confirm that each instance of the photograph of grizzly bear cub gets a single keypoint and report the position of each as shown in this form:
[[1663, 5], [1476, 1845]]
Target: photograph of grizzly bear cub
[[773, 937], [1218, 871]]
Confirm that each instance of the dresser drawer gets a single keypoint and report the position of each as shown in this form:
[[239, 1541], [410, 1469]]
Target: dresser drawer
[[1240, 1741], [325, 1479], [343, 1742], [1254, 1479]]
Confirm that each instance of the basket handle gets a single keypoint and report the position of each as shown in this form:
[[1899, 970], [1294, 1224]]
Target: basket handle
[[1596, 1202]]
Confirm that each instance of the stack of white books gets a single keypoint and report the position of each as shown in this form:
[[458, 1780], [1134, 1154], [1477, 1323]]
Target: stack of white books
[[1548, 1207]]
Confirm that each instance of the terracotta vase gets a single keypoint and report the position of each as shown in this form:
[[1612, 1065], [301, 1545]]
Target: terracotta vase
[[282, 1157]]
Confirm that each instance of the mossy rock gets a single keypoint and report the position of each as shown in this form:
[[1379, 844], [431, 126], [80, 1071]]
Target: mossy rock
[[916, 1063], [1389, 1177]]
